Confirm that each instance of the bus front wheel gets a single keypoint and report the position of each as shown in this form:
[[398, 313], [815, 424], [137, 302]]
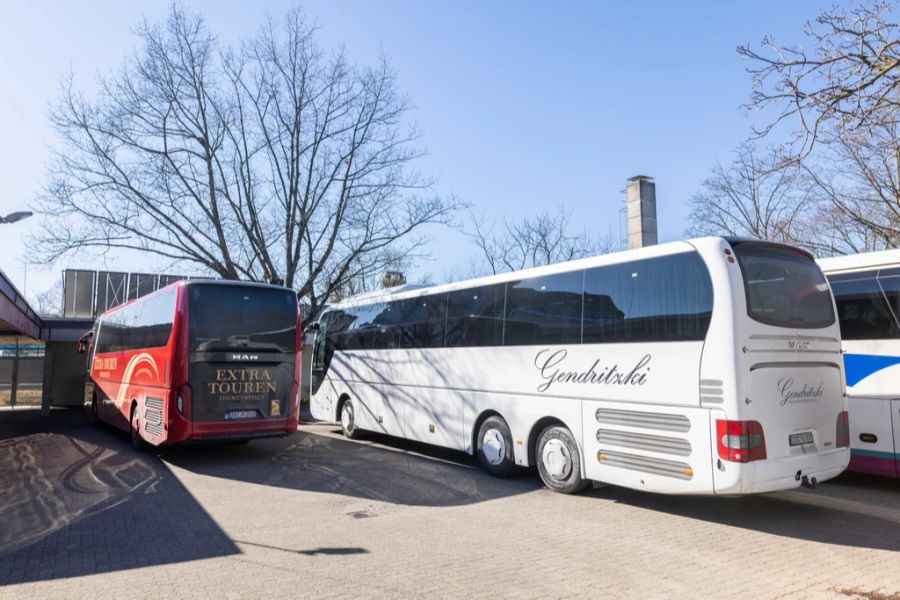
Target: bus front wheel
[[559, 461], [348, 421], [494, 447]]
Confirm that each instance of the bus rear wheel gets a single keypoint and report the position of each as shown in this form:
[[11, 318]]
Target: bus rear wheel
[[559, 461], [137, 441], [494, 447], [348, 421], [95, 416]]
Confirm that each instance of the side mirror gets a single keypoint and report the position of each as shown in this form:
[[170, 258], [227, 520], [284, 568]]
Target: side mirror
[[84, 343]]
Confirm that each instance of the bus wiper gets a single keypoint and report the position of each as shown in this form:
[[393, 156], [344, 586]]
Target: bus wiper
[[241, 341]]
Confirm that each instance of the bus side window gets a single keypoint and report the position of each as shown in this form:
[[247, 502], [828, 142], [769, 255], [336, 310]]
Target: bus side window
[[665, 298], [890, 286], [862, 308], [544, 310], [423, 321], [475, 316]]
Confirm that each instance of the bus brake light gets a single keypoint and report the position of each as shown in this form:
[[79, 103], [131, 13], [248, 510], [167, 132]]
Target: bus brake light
[[183, 400], [842, 437], [740, 441]]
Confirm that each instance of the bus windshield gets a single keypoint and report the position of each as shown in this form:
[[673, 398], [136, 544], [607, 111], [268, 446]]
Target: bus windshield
[[784, 287], [226, 317]]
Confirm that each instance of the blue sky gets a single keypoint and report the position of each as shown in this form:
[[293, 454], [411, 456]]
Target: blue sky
[[522, 105]]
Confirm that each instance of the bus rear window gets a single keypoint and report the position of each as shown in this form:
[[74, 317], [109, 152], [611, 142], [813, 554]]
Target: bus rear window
[[784, 287], [231, 317]]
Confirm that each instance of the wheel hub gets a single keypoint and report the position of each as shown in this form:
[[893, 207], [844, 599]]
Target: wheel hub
[[493, 446], [557, 459], [347, 419]]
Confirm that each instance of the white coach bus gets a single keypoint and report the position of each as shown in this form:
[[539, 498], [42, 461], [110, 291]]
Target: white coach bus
[[706, 366], [867, 292]]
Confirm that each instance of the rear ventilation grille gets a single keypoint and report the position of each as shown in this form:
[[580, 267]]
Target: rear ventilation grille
[[645, 420], [153, 415], [645, 442]]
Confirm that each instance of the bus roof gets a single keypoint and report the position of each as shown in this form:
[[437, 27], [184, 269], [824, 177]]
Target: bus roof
[[858, 262], [582, 263], [193, 283]]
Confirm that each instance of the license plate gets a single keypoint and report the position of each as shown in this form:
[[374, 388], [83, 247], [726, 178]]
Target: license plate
[[800, 439], [241, 414]]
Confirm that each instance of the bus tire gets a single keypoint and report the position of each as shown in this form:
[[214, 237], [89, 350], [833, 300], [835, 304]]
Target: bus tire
[[494, 447], [559, 461], [137, 441], [348, 421], [95, 416]]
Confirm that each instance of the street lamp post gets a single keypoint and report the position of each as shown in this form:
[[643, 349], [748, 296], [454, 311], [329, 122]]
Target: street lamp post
[[12, 218], [16, 216]]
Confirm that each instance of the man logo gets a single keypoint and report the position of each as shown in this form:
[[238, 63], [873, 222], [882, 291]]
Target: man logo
[[244, 357], [798, 344]]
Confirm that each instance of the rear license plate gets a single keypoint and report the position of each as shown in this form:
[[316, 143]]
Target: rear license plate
[[241, 414], [800, 439]]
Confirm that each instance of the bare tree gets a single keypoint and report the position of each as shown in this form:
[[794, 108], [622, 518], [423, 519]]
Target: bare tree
[[274, 161], [859, 183], [50, 301], [754, 196], [847, 82], [529, 242], [843, 98]]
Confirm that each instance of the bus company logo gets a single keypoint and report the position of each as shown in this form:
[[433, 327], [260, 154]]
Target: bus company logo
[[791, 395], [106, 364], [241, 381], [798, 344], [244, 357], [550, 365]]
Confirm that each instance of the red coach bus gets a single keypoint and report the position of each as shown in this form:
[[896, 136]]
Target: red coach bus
[[196, 361]]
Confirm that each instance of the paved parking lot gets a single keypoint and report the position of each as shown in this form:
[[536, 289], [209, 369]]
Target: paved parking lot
[[83, 516]]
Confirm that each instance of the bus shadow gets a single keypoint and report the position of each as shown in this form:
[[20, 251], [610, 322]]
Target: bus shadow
[[75, 500], [395, 471], [851, 510]]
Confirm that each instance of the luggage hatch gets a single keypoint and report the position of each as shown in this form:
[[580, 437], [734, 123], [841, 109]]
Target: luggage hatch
[[242, 391], [797, 405]]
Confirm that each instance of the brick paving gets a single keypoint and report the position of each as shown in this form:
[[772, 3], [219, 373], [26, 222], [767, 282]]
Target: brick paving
[[314, 515]]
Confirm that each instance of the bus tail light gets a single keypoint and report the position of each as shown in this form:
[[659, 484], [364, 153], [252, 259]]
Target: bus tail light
[[843, 430], [183, 400], [740, 441]]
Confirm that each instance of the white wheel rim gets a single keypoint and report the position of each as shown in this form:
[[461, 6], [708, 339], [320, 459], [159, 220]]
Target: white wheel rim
[[493, 446], [347, 418], [557, 459]]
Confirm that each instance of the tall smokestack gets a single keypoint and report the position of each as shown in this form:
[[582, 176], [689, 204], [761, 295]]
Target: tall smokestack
[[640, 197]]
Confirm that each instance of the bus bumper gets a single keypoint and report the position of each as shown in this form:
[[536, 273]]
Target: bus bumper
[[200, 431], [787, 473]]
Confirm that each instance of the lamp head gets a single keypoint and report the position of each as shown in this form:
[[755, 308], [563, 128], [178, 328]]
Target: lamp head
[[16, 216]]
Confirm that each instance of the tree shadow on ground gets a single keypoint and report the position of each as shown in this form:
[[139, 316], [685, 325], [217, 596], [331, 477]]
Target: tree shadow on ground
[[377, 467], [75, 500]]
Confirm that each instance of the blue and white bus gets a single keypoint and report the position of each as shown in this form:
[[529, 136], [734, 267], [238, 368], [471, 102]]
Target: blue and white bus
[[703, 366], [867, 292]]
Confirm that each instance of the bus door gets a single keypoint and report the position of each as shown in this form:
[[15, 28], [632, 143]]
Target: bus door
[[316, 358], [320, 403]]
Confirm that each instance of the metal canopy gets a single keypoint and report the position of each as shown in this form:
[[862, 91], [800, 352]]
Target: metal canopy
[[16, 315]]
